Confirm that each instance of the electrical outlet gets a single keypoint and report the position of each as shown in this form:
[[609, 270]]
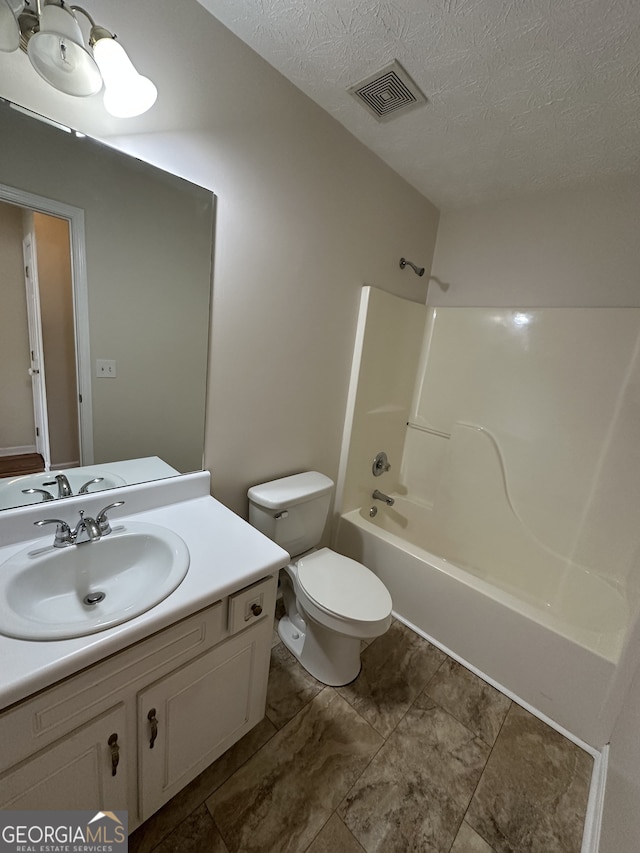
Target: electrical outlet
[[105, 368]]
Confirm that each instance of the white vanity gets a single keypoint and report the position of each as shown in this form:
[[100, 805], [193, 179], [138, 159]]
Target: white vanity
[[126, 717]]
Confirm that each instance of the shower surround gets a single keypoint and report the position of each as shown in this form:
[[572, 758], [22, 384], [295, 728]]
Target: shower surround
[[513, 541]]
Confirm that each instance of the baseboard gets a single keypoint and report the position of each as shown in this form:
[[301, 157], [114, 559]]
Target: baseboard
[[595, 806], [62, 466], [18, 451]]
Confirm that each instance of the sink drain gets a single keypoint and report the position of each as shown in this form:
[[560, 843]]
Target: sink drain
[[94, 597]]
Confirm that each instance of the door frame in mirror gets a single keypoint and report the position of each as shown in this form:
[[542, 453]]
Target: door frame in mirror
[[75, 217]]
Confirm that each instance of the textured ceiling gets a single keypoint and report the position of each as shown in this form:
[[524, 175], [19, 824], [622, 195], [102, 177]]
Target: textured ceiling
[[523, 94]]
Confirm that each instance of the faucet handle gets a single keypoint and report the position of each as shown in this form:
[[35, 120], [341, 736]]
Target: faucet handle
[[46, 496], [101, 518], [380, 464], [84, 488], [63, 531]]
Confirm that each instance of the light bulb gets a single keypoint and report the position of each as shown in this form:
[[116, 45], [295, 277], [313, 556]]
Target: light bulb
[[9, 27], [126, 92]]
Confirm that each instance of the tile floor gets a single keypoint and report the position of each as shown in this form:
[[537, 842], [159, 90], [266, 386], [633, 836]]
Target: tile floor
[[418, 755]]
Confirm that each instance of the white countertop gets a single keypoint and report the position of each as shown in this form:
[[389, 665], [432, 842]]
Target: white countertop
[[226, 554], [127, 472]]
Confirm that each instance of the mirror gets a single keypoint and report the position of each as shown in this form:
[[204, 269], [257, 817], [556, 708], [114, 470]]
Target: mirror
[[141, 251]]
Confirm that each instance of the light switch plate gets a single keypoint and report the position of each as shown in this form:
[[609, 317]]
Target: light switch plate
[[105, 368]]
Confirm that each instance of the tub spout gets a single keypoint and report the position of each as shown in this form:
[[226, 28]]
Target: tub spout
[[380, 496]]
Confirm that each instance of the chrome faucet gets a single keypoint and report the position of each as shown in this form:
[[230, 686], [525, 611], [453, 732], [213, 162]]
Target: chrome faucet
[[380, 496], [64, 488], [86, 530]]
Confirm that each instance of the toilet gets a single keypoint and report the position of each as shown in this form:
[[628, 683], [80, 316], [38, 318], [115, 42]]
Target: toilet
[[331, 602]]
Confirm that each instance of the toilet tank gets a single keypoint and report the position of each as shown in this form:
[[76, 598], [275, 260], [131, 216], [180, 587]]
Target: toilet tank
[[292, 510]]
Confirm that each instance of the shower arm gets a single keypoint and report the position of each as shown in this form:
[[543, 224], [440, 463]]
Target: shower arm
[[417, 270]]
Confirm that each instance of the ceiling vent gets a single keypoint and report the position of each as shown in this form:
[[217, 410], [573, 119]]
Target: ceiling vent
[[388, 93]]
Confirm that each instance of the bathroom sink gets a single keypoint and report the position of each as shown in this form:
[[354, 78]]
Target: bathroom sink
[[12, 490], [49, 593]]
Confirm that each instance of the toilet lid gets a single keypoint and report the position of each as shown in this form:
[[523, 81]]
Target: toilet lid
[[343, 586]]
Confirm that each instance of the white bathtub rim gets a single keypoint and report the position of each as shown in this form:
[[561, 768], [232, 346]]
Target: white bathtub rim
[[595, 803], [614, 640]]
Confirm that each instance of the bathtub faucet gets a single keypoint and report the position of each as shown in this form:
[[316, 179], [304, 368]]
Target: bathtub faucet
[[380, 496]]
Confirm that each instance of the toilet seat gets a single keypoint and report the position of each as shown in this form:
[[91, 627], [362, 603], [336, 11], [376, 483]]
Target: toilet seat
[[344, 589]]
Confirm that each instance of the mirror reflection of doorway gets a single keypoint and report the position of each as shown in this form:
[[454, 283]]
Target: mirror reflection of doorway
[[38, 389]]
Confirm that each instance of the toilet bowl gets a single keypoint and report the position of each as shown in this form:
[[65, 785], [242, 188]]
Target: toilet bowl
[[332, 602]]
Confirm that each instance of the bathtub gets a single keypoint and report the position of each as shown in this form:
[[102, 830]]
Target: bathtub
[[562, 649]]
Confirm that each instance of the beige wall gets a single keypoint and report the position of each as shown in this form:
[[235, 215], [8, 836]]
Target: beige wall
[[329, 218], [16, 423], [305, 216], [572, 247]]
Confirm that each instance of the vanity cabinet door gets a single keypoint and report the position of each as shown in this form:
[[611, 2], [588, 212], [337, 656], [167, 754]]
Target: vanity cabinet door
[[75, 772], [189, 718]]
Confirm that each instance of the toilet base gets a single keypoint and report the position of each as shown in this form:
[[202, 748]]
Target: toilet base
[[331, 658]]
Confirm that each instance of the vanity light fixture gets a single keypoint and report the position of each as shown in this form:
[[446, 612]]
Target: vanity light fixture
[[52, 38]]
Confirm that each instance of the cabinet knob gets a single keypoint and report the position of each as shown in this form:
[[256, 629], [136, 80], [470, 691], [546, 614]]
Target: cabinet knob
[[256, 609], [153, 721], [115, 752]]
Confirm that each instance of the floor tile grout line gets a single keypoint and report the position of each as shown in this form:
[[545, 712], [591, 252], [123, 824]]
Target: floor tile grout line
[[457, 832], [464, 724], [318, 832], [300, 710], [220, 833], [322, 686], [203, 802], [364, 720], [409, 707], [471, 732], [492, 747], [385, 738], [355, 781]]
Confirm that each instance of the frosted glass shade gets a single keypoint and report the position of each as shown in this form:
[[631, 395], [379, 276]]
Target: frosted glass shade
[[58, 54], [9, 29], [126, 93]]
